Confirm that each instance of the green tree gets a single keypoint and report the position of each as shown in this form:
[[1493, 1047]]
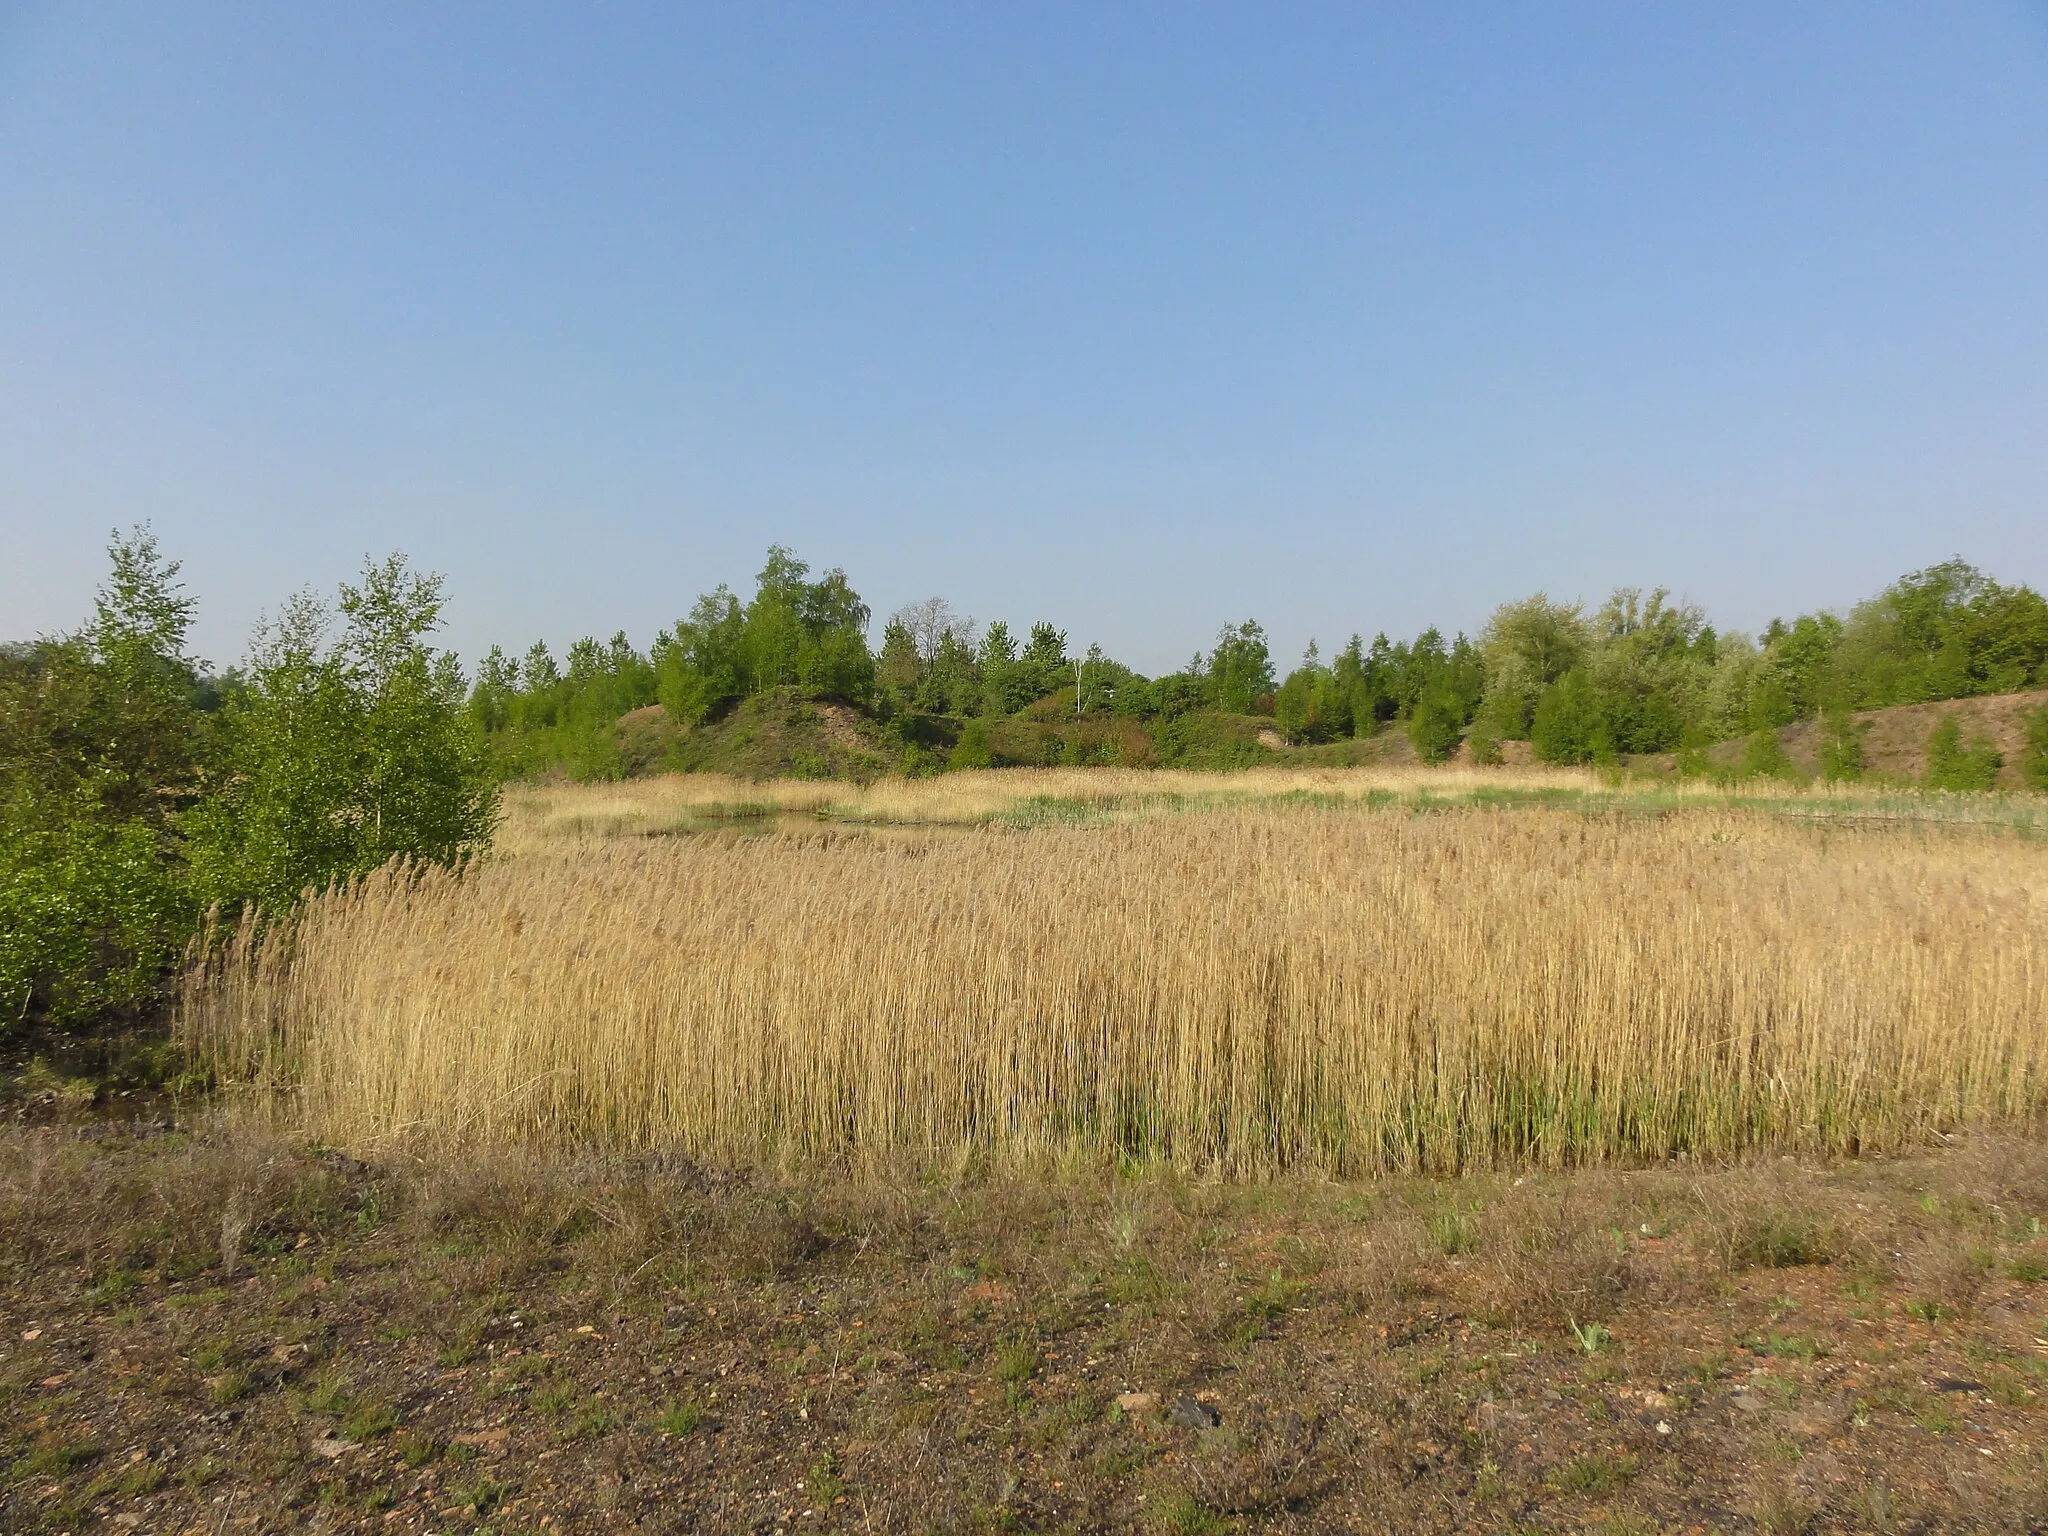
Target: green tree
[[101, 753], [700, 664], [1945, 632], [1044, 667], [1763, 756], [1952, 764], [794, 633], [1240, 668], [1841, 745], [1438, 723], [1568, 725], [1527, 646], [1310, 704], [1004, 688], [1651, 662], [342, 756], [972, 750], [2034, 761]]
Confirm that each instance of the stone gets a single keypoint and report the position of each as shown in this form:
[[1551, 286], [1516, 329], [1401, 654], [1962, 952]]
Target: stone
[[1135, 1403], [1190, 1414]]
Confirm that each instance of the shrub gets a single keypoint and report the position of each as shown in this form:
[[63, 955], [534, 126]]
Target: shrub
[[2034, 764], [1951, 764], [1569, 725], [1763, 756], [1436, 725], [972, 749], [91, 911], [1841, 745]]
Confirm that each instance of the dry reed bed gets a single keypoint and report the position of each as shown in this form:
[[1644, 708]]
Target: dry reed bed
[[542, 817], [539, 815], [1239, 991]]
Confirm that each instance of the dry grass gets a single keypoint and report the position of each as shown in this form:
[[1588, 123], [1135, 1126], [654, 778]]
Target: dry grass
[[513, 1340], [551, 817], [541, 816], [1345, 989]]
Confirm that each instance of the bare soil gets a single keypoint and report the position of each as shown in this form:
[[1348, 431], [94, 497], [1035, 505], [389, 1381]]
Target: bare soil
[[207, 1328], [1895, 739]]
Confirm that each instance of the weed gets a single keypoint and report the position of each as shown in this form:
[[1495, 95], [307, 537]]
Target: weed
[[1777, 1240], [144, 1477], [1262, 1307], [1780, 1511], [327, 1395], [1596, 1472], [479, 1497], [57, 1458], [197, 1474], [1017, 1360], [557, 1396], [1185, 1515], [680, 1418], [824, 1481], [1591, 1338], [368, 1418], [228, 1387], [1789, 1346], [1453, 1233]]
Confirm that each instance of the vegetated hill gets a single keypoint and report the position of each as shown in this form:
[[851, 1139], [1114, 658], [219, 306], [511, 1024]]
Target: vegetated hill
[[785, 733], [1895, 739], [780, 734]]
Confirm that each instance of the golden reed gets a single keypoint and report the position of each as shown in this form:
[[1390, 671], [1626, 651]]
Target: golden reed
[[1239, 991]]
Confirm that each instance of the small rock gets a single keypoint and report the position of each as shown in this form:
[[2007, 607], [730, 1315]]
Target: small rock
[[1816, 1421], [1655, 1400], [1135, 1403], [1663, 1428], [1189, 1414], [1748, 1402], [1957, 1384], [329, 1447]]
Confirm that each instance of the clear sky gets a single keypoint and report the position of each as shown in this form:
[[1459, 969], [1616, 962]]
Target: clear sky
[[1139, 317]]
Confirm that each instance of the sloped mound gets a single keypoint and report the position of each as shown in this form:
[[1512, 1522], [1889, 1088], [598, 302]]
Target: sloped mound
[[1895, 739], [781, 734]]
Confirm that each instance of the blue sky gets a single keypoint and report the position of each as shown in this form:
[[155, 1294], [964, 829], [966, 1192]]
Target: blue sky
[[1138, 317]]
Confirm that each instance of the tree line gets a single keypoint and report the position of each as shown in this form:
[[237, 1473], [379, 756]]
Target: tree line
[[1639, 674]]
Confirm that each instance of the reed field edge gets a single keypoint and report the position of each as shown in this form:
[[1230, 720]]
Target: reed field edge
[[1310, 978]]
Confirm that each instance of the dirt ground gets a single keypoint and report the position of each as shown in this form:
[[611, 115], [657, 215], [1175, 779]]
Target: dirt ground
[[206, 1328]]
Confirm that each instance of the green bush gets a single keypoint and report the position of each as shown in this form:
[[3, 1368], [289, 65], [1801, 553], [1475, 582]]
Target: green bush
[[1436, 726], [100, 745], [1952, 764], [1570, 725], [91, 912], [2034, 764], [972, 749], [132, 794], [1841, 745], [337, 759], [1763, 756]]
